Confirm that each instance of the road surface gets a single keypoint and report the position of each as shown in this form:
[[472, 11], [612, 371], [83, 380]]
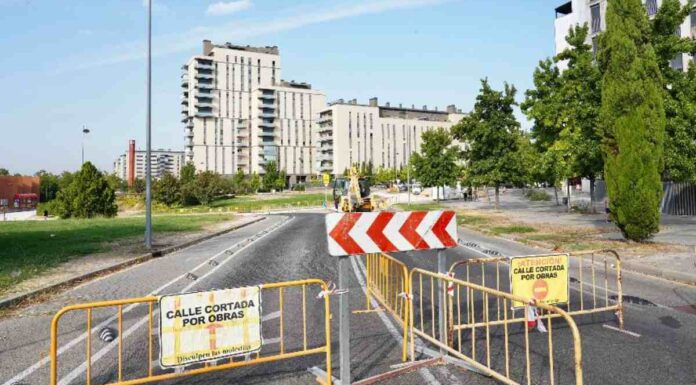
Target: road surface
[[289, 247]]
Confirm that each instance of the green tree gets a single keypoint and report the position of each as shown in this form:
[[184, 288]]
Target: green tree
[[4, 172], [436, 165], [138, 186], [632, 120], [167, 189], [254, 182], [580, 98], [240, 182], [492, 133], [280, 182], [679, 90], [270, 178], [88, 195], [543, 104], [48, 185], [187, 184], [207, 187], [115, 182]]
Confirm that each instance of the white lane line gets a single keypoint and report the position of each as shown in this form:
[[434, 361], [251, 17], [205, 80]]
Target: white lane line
[[424, 372], [36, 366], [106, 349], [268, 317], [614, 328]]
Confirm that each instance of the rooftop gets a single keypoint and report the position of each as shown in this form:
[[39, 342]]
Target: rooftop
[[208, 47]]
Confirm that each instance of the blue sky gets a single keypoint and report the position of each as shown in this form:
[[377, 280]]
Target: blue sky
[[73, 62]]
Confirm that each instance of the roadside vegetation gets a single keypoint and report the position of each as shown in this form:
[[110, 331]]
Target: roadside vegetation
[[28, 248]]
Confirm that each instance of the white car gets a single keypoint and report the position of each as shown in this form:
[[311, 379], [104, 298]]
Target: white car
[[416, 189]]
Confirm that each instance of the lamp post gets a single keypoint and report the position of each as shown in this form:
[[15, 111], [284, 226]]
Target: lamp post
[[148, 161], [85, 131]]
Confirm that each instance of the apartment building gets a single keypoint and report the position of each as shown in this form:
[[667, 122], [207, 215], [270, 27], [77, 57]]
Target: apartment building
[[350, 133], [239, 114], [593, 13], [131, 165]]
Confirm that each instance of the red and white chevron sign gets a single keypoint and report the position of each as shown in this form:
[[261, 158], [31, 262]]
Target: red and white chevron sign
[[361, 233]]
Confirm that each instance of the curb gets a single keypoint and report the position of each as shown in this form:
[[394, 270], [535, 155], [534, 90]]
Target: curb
[[675, 276], [5, 303]]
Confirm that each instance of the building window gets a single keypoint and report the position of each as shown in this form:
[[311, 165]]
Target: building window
[[596, 18], [651, 7]]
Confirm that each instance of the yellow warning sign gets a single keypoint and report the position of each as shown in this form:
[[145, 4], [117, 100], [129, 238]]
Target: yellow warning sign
[[543, 278], [326, 178], [205, 326]]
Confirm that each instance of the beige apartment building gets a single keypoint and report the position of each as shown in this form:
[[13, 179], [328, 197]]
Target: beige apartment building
[[240, 115], [350, 133], [593, 13]]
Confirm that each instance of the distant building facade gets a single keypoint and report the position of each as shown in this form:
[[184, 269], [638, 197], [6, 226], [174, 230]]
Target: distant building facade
[[593, 13], [131, 165], [19, 192], [386, 136], [239, 115]]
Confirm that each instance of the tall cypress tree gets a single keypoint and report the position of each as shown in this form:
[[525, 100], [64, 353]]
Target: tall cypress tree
[[632, 120]]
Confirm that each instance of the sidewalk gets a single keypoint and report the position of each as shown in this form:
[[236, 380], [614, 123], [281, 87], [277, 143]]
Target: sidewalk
[[671, 255], [91, 266]]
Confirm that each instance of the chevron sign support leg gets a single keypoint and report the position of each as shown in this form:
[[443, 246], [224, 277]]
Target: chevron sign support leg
[[344, 321], [442, 300]]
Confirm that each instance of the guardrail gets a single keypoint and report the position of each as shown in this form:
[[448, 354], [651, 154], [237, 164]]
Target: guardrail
[[582, 271], [288, 348], [387, 282], [491, 340]]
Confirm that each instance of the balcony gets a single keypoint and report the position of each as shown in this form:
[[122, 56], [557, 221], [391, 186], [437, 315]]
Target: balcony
[[206, 86], [189, 124], [188, 134], [204, 114], [242, 144], [267, 134], [325, 119], [205, 104], [325, 128], [325, 138], [267, 115], [328, 157], [200, 65], [266, 124], [267, 96], [326, 167], [185, 109], [267, 104], [201, 75], [188, 142]]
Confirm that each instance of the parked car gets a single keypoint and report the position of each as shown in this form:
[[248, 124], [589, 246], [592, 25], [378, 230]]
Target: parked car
[[416, 189]]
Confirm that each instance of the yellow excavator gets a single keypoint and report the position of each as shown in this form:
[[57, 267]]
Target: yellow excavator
[[352, 194]]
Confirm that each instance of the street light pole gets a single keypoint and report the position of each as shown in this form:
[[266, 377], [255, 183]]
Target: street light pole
[[408, 169], [148, 161], [85, 131]]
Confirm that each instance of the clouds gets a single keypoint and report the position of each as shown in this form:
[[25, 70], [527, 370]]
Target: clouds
[[226, 8], [239, 30]]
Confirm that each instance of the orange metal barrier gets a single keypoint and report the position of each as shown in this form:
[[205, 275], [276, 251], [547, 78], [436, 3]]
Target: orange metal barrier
[[494, 347], [387, 282], [300, 287], [583, 267]]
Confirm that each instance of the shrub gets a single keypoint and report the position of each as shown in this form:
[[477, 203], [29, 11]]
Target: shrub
[[538, 195], [88, 195]]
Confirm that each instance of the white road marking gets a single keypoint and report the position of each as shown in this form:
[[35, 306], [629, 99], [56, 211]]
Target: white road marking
[[268, 317], [424, 372], [31, 369], [630, 333]]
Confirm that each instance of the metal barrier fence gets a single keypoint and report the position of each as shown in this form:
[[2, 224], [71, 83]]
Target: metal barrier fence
[[490, 346], [288, 348], [678, 199], [582, 270], [387, 282]]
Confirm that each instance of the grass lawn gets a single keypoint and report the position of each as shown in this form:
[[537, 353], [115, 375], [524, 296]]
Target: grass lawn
[[242, 203], [30, 247], [420, 206]]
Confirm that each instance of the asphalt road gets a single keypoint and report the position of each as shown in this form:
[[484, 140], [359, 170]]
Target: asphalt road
[[291, 247]]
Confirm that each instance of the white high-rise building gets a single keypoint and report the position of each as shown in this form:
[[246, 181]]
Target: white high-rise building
[[386, 136], [240, 115], [593, 13], [162, 161]]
